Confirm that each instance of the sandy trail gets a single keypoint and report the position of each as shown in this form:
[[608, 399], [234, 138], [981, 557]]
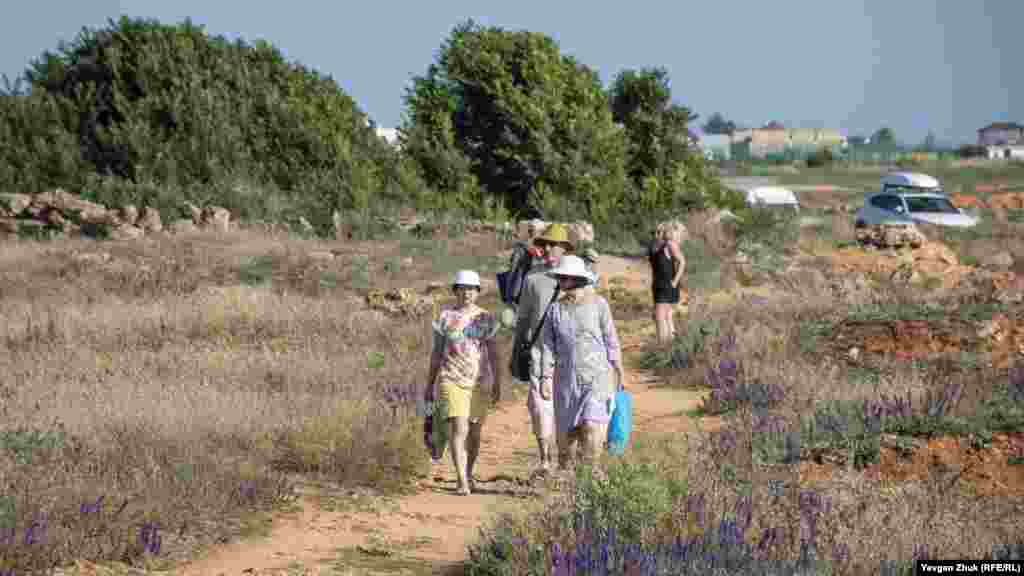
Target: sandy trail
[[428, 532]]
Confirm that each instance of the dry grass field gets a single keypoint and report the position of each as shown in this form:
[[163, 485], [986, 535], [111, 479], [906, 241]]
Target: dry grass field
[[164, 396]]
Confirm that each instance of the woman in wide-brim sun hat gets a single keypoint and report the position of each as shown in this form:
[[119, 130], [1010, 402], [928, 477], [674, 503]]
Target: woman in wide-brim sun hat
[[463, 363], [580, 339]]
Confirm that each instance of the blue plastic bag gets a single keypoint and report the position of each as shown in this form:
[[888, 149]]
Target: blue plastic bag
[[621, 423]]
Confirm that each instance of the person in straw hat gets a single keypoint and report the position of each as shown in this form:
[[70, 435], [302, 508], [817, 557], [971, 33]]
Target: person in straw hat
[[463, 365], [581, 360], [538, 290]]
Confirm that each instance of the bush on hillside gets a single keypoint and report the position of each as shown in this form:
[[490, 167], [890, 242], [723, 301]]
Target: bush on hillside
[[141, 105]]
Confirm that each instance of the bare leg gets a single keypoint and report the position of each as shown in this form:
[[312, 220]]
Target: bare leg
[[593, 441], [661, 324], [544, 448], [566, 450], [458, 431], [473, 447]]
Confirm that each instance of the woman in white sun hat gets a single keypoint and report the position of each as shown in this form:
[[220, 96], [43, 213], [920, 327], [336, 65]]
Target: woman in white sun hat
[[581, 361], [463, 366]]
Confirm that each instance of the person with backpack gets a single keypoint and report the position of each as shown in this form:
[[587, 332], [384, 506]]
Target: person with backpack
[[538, 292], [463, 364]]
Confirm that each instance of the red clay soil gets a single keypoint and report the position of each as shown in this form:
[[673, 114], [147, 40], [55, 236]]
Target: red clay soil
[[933, 259], [967, 201], [1005, 200], [989, 471], [1001, 338], [904, 339]]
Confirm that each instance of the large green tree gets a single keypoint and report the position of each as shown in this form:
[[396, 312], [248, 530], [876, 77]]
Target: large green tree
[[665, 171], [140, 101], [884, 135], [717, 124], [508, 110]]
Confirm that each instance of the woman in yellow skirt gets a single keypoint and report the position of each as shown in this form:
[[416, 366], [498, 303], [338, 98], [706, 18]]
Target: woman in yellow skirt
[[463, 365]]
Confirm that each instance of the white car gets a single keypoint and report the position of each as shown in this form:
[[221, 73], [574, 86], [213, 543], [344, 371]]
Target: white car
[[775, 197], [911, 197]]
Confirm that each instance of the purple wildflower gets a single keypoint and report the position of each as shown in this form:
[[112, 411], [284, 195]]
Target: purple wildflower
[[248, 489], [149, 538], [769, 537], [808, 528], [92, 507], [840, 552], [744, 513], [33, 534], [728, 367], [1016, 383], [727, 343], [939, 404], [727, 440], [729, 534], [810, 502], [558, 561], [767, 423], [695, 506], [680, 549]]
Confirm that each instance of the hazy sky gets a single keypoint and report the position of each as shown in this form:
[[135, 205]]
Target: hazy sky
[[914, 65]]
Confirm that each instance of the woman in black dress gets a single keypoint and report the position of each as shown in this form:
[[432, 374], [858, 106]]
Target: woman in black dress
[[668, 266]]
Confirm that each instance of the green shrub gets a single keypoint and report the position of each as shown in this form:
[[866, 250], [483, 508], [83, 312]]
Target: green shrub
[[28, 445], [628, 497], [842, 426]]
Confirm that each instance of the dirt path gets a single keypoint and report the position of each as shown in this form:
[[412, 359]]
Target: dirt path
[[428, 532]]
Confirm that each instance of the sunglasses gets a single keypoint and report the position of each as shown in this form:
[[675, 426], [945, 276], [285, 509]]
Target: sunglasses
[[460, 288]]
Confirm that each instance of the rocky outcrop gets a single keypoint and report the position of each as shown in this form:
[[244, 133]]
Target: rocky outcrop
[[400, 302], [891, 235], [61, 212]]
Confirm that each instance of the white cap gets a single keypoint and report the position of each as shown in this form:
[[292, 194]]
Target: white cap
[[466, 278], [572, 265]]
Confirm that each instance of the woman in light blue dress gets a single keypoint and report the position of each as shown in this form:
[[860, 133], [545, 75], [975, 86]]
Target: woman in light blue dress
[[581, 358]]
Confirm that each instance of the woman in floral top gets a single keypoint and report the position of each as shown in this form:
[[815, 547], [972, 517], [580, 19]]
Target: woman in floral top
[[463, 365], [581, 357]]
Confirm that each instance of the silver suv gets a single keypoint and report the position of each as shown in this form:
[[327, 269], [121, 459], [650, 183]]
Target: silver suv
[[907, 197]]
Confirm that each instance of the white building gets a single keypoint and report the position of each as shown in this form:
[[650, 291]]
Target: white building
[[1005, 152]]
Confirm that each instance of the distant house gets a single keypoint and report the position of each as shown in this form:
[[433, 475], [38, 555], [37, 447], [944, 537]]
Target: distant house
[[774, 140], [1005, 152], [1001, 134], [758, 142], [804, 141]]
